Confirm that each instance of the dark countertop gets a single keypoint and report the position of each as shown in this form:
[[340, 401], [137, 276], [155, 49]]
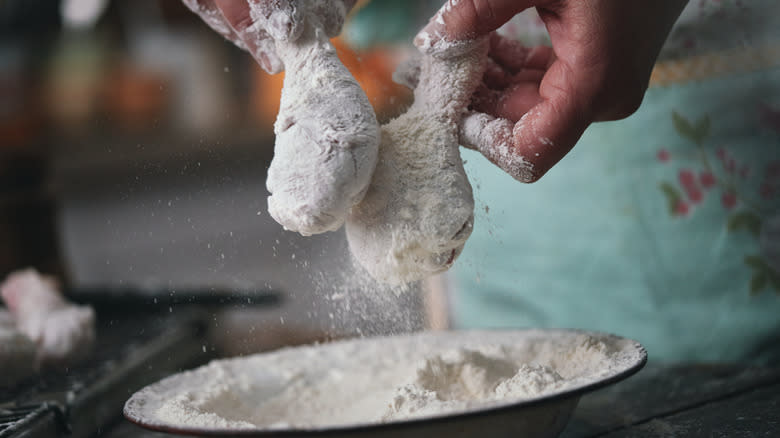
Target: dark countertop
[[662, 401], [683, 400]]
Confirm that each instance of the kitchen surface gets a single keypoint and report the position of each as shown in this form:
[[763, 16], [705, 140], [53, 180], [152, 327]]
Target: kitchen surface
[[659, 401]]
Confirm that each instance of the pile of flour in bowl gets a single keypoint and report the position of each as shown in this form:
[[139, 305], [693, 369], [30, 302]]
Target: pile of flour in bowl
[[376, 380]]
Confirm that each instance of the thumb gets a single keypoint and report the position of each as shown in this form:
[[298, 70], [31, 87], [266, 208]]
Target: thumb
[[545, 134], [525, 150], [460, 20]]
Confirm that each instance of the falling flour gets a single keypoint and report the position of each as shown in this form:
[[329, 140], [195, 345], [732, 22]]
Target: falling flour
[[386, 379]]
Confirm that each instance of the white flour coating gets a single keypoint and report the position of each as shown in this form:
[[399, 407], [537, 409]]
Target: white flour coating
[[326, 134], [432, 39], [418, 211], [63, 333], [326, 130], [462, 379], [375, 380], [492, 137]]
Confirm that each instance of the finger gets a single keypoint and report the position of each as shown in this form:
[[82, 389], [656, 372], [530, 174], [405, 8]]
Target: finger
[[543, 135], [259, 44], [548, 131], [236, 13], [461, 20], [495, 76], [265, 54], [493, 138], [513, 56], [207, 10], [526, 150], [510, 54], [512, 102]]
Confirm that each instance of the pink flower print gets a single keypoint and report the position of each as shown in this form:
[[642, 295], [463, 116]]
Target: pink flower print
[[707, 179], [687, 179], [773, 170], [695, 195], [767, 191], [663, 155], [688, 182], [771, 180], [769, 242], [769, 117], [730, 165], [681, 208], [744, 171], [728, 162], [729, 200]]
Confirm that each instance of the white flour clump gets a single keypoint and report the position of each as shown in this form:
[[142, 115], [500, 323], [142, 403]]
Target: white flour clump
[[462, 379], [62, 332], [326, 131], [419, 210], [385, 379]]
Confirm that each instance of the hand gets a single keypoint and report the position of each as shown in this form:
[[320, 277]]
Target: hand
[[254, 25], [540, 100]]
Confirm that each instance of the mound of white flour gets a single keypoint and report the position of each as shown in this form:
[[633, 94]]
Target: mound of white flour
[[462, 379], [377, 380]]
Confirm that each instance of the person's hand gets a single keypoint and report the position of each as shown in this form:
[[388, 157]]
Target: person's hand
[[254, 25], [537, 102]]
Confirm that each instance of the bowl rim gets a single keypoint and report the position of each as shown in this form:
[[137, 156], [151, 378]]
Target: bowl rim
[[488, 410]]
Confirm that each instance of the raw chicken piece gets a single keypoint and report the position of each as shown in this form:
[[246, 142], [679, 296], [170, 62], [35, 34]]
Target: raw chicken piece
[[326, 134], [17, 352], [418, 211], [326, 131], [62, 332]]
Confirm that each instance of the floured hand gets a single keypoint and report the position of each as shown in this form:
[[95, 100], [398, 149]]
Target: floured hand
[[62, 332], [535, 103]]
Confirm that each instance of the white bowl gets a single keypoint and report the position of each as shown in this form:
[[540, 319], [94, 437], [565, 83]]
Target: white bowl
[[351, 381]]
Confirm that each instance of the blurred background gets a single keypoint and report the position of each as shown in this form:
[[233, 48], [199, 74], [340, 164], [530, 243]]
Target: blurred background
[[133, 148]]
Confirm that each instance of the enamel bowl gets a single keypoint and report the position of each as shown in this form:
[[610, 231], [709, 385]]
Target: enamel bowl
[[352, 382]]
